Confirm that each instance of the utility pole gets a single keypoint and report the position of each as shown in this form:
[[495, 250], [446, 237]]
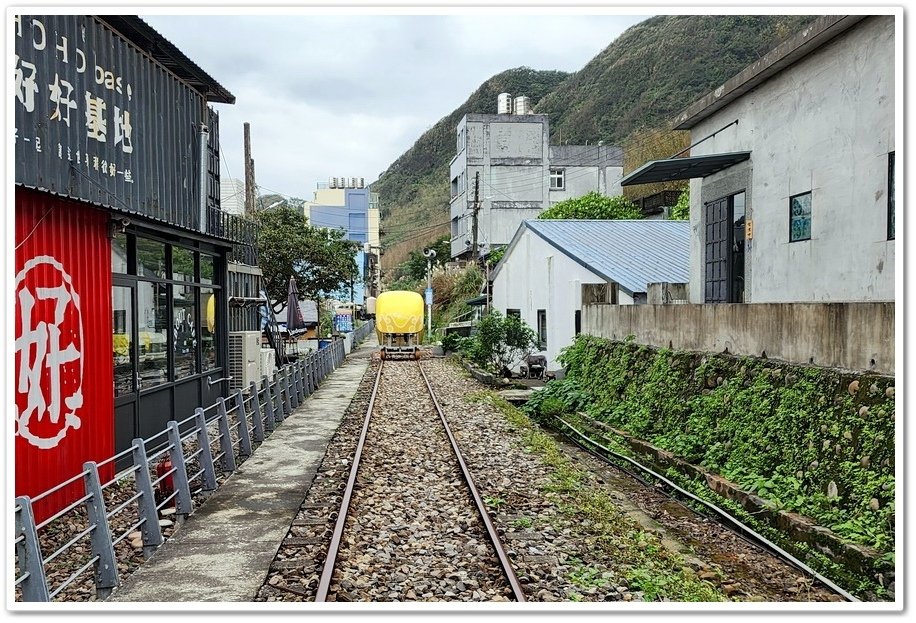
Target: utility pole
[[249, 174], [430, 254], [476, 209]]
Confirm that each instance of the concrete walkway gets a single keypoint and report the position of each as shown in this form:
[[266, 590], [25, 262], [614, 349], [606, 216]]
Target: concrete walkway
[[224, 549]]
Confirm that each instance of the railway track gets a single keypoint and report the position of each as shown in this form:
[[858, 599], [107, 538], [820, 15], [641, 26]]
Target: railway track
[[413, 533], [411, 525]]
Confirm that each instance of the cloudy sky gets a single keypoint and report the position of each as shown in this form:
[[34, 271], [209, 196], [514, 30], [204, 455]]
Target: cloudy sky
[[346, 94]]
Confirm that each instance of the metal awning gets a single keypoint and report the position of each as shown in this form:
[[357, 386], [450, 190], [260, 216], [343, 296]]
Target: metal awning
[[683, 168], [477, 301]]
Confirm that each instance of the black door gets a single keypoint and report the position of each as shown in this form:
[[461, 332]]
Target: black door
[[124, 360], [724, 252]]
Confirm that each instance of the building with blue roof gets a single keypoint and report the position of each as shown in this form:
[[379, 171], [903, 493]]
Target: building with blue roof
[[552, 267]]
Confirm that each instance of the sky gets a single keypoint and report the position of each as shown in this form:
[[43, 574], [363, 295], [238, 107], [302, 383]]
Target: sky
[[347, 94]]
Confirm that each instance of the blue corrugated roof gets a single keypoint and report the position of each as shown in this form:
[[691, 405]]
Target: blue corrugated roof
[[632, 253]]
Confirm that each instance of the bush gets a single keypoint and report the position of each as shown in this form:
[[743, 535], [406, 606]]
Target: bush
[[452, 342], [500, 342]]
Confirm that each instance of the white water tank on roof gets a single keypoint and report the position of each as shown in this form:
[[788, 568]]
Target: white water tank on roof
[[522, 105], [504, 104]]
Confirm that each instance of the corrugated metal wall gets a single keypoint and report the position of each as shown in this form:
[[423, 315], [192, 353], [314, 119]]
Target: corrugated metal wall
[[98, 120], [63, 357]]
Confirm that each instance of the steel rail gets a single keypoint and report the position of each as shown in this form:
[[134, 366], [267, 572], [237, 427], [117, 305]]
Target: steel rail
[[478, 501], [325, 582], [749, 533]]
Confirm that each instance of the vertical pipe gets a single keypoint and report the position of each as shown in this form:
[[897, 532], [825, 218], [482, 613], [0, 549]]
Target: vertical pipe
[[204, 157]]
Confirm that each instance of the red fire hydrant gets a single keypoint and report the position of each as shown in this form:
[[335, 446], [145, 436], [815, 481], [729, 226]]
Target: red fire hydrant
[[165, 487]]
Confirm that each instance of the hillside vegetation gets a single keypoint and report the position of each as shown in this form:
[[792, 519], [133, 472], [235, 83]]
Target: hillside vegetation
[[639, 82]]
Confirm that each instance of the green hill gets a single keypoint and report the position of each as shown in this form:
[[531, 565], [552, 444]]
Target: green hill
[[640, 81]]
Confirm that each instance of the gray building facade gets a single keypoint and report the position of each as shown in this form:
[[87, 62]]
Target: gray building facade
[[518, 174]]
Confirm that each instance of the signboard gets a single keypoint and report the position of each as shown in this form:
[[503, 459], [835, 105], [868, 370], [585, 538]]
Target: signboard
[[97, 120], [429, 296], [343, 323]]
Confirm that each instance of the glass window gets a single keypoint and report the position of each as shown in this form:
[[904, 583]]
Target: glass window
[[890, 196], [514, 312], [150, 258], [184, 330], [557, 179], [207, 324], [800, 217], [182, 264], [153, 333], [119, 253], [122, 334], [206, 268]]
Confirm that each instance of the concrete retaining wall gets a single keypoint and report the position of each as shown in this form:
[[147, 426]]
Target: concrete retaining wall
[[854, 336]]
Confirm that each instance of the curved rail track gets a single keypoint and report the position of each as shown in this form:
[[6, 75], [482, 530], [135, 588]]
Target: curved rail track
[[345, 522]]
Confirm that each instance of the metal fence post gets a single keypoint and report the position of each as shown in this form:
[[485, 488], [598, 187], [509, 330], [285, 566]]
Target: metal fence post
[[269, 418], [256, 413], [183, 503], [225, 439], [28, 553], [206, 454], [294, 385], [106, 567], [310, 367], [279, 416], [152, 533], [287, 382], [244, 435], [300, 381]]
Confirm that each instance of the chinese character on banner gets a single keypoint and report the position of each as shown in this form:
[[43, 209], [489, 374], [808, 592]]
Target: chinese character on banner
[[59, 98], [95, 118], [123, 130], [49, 343], [26, 88]]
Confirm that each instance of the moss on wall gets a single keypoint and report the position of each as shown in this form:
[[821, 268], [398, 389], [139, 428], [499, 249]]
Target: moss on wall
[[816, 441]]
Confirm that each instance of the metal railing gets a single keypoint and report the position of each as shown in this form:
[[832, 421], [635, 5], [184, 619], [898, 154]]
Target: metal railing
[[362, 332], [110, 523]]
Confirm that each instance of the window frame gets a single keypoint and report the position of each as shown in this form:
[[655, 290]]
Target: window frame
[[542, 329], [557, 173], [810, 215], [891, 200]]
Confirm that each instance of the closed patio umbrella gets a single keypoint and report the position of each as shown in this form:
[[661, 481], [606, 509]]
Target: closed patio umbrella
[[294, 320]]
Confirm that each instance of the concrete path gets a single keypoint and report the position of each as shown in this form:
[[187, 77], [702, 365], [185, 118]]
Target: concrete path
[[224, 549]]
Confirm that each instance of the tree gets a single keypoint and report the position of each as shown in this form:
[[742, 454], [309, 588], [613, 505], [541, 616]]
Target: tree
[[321, 260], [593, 206], [414, 267]]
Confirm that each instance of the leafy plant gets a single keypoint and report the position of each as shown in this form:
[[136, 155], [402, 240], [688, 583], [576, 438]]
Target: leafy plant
[[593, 206], [681, 210], [500, 342]]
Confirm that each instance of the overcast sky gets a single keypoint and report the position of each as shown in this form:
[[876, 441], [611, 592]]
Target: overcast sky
[[345, 95]]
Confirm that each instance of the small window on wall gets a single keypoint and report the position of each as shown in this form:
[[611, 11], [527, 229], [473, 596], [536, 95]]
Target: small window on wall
[[890, 196], [514, 312], [542, 329], [800, 217], [557, 179]]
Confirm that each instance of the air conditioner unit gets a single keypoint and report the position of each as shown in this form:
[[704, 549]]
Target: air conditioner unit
[[268, 362], [244, 358]]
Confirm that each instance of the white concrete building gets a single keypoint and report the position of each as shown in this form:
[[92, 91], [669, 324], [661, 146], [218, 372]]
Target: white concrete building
[[232, 196], [792, 190], [552, 267], [520, 175]]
